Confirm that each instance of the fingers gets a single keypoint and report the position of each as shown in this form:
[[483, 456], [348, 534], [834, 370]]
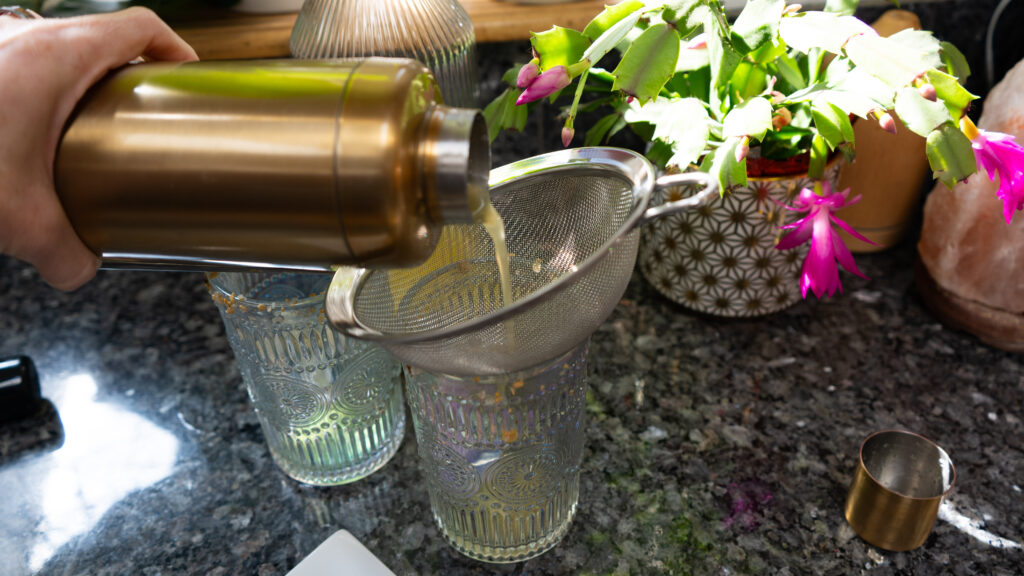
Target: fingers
[[123, 36], [47, 66], [103, 42], [100, 43]]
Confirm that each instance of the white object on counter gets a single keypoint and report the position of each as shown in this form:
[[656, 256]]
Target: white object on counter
[[341, 555]]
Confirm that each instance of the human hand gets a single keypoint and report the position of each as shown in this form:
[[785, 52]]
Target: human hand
[[46, 66]]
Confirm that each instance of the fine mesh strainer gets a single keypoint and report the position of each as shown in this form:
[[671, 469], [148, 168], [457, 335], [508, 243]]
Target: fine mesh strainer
[[571, 221]]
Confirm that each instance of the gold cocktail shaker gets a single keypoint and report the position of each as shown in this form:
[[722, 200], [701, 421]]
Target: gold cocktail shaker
[[290, 164]]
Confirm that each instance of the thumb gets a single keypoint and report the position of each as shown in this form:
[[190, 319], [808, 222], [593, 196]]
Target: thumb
[[70, 270], [59, 255]]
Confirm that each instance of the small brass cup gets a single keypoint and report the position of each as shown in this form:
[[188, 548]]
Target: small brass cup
[[901, 479]]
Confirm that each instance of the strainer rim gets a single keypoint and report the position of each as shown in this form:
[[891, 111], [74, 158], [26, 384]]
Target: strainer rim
[[630, 165]]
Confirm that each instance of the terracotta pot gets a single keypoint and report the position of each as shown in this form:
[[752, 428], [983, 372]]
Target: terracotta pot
[[721, 259], [889, 171]]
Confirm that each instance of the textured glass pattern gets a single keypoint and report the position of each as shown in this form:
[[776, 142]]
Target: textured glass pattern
[[330, 407], [501, 455], [438, 33]]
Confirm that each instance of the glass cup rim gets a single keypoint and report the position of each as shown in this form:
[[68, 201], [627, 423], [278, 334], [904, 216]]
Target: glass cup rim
[[217, 290]]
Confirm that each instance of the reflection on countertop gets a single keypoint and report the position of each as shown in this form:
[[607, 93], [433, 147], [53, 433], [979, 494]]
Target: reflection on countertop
[[109, 452]]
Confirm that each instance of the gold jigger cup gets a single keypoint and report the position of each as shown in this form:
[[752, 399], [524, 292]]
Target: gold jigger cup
[[900, 482]]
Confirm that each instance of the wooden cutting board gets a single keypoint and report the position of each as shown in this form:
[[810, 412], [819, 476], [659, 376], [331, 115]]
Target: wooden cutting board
[[234, 35]]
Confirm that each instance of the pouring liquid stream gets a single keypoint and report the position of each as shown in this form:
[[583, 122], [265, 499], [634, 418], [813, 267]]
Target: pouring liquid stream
[[491, 221]]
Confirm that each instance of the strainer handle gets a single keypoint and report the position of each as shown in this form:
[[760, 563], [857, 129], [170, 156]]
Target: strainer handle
[[340, 303], [703, 197]]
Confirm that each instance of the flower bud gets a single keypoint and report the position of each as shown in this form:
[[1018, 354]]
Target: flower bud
[[546, 84], [743, 149], [567, 134], [782, 118], [928, 92], [886, 122], [528, 73]]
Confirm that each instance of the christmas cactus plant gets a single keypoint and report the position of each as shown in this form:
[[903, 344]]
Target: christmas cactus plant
[[777, 83]]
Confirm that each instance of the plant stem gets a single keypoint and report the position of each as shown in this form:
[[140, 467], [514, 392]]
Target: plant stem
[[716, 10], [576, 100]]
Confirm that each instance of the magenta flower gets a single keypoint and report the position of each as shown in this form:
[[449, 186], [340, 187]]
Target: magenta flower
[[820, 273], [527, 74], [551, 81], [1000, 156]]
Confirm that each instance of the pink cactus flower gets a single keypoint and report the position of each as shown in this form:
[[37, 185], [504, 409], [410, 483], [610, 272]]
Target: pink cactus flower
[[551, 81], [1000, 156], [820, 272]]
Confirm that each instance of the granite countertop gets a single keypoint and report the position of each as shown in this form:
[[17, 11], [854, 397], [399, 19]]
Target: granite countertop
[[713, 446]]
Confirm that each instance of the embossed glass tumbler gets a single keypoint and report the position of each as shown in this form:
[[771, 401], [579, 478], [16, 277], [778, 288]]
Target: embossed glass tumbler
[[501, 455], [330, 407]]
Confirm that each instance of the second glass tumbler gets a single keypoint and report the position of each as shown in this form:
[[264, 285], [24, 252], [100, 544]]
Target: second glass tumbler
[[330, 407], [501, 455]]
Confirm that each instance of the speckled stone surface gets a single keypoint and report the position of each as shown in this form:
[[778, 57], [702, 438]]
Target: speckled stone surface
[[713, 446]]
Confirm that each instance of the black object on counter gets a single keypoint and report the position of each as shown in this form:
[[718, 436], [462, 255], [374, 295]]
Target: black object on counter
[[19, 388]]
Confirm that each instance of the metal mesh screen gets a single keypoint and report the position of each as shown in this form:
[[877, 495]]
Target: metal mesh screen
[[554, 220]]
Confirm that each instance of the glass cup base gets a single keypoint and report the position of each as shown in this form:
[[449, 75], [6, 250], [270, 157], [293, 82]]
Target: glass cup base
[[318, 476], [512, 554]]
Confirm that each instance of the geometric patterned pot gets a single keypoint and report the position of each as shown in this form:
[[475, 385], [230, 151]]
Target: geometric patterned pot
[[721, 259]]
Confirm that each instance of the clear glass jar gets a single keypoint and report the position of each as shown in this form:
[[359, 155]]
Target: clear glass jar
[[438, 33]]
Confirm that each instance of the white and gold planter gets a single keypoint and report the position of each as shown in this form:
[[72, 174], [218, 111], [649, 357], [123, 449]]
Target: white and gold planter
[[721, 259]]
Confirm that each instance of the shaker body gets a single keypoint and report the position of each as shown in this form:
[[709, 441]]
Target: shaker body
[[224, 165]]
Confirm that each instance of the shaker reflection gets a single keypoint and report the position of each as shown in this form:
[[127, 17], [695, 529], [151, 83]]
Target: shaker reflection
[[108, 453]]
